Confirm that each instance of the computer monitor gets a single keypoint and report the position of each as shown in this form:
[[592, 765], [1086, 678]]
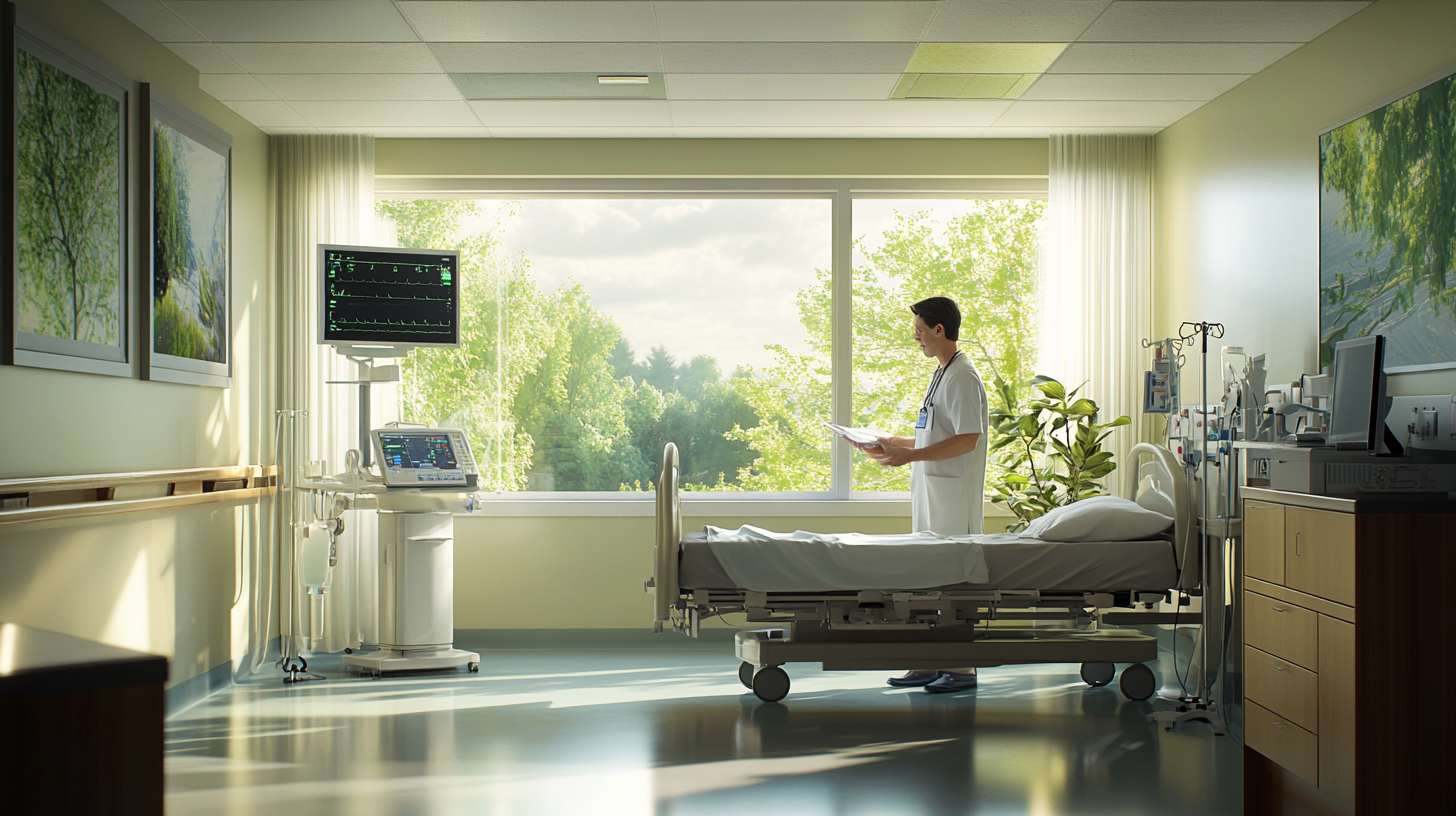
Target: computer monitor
[[1358, 409], [384, 301]]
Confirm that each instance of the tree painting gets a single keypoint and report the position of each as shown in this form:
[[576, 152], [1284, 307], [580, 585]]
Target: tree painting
[[555, 398], [68, 215], [1388, 229], [189, 247]]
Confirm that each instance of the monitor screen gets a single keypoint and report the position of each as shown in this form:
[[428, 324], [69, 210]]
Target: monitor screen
[[377, 296], [1359, 373], [418, 458]]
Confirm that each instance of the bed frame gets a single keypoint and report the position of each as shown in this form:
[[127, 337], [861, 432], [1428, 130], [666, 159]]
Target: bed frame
[[878, 629]]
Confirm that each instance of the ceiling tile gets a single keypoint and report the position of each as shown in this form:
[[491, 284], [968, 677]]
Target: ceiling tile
[[333, 58], [1215, 21], [415, 132], [1133, 86], [987, 58], [831, 132], [1097, 114], [160, 22], [780, 86], [344, 87], [1044, 132], [1013, 20], [386, 114], [786, 58], [1170, 58], [824, 21], [561, 21], [520, 58], [292, 21], [234, 87], [573, 113], [264, 114], [589, 85], [206, 58], [810, 114], [550, 132]]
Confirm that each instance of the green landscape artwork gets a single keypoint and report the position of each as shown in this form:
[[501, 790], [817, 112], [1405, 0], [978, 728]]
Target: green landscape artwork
[[68, 222], [190, 247], [1388, 230]]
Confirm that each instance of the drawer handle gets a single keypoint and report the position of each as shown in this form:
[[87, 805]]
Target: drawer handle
[[1278, 609], [1278, 725], [1299, 543], [1276, 668]]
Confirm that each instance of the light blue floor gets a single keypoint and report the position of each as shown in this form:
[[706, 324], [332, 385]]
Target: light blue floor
[[669, 730]]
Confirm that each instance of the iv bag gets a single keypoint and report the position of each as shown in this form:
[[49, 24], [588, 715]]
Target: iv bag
[[313, 556]]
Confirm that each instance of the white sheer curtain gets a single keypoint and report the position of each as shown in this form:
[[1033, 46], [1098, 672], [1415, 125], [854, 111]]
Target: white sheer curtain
[[324, 194], [1097, 293]]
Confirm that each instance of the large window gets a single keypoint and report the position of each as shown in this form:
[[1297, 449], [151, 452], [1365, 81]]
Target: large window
[[594, 330]]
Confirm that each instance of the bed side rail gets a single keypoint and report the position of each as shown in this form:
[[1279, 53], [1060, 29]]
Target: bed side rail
[[1185, 532], [663, 586]]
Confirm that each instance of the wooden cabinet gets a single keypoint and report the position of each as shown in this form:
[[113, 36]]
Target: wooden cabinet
[[1345, 610]]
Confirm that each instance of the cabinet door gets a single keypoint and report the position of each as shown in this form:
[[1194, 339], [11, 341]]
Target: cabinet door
[[1264, 541], [1337, 708], [1319, 553]]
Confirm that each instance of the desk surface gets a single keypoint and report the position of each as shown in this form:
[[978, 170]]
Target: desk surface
[[1358, 503], [34, 661]]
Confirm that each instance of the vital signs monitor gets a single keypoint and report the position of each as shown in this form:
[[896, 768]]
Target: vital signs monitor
[[423, 457], [384, 301]]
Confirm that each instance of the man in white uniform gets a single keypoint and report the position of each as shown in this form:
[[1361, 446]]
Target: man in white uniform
[[947, 458]]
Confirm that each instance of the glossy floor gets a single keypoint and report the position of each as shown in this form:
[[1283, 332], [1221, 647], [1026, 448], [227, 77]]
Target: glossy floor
[[642, 730]]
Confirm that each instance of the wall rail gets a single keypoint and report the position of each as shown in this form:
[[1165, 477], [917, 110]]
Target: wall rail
[[48, 498]]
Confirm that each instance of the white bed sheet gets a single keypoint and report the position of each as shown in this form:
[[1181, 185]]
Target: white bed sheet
[[765, 561]]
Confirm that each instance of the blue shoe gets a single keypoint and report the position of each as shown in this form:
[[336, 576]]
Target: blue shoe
[[950, 682], [915, 679]]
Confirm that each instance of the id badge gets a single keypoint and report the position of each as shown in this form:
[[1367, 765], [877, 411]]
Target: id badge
[[923, 421]]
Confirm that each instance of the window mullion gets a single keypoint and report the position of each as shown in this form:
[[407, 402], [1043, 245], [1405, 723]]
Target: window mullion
[[842, 339]]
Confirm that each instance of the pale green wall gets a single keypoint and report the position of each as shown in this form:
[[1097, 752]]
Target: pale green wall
[[164, 582], [1237, 235]]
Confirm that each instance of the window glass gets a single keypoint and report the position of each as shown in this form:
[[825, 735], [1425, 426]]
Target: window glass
[[596, 330], [984, 254]]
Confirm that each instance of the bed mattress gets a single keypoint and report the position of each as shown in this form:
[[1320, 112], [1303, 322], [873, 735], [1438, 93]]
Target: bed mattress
[[1014, 562]]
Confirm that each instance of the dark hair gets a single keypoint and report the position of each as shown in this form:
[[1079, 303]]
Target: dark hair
[[940, 311]]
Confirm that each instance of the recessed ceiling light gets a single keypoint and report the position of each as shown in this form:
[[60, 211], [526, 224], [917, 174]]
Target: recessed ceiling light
[[622, 80]]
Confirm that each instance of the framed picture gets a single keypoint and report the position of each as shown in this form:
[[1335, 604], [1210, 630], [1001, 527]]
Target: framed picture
[[189, 216], [1388, 229], [67, 257]]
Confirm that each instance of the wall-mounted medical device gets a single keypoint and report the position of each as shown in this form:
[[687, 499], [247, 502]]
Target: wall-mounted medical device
[[429, 457], [384, 301]]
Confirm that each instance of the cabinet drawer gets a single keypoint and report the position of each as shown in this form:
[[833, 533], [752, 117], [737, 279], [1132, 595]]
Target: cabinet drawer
[[1319, 553], [1282, 687], [1282, 629], [1282, 741], [1264, 541], [1337, 709]]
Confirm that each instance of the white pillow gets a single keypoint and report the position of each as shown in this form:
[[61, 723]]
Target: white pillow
[[1149, 497], [1100, 518]]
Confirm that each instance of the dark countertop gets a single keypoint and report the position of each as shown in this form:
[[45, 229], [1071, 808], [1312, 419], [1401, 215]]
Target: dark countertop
[[34, 661], [1356, 503]]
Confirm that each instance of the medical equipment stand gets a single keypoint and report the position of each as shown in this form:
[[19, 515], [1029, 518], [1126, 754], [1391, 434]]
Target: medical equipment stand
[[1200, 705]]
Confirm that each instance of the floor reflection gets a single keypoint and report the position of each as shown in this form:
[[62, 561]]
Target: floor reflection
[[670, 731]]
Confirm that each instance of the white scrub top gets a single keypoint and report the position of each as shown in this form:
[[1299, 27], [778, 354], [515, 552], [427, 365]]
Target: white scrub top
[[946, 495]]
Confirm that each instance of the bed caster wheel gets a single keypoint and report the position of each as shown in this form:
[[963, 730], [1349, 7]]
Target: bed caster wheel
[[771, 684], [1097, 675], [1137, 682], [745, 674], [348, 650], [473, 667]]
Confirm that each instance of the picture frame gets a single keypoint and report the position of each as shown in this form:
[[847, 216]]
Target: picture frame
[[67, 268], [187, 332]]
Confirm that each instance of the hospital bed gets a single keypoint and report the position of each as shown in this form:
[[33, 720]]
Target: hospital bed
[[1043, 601]]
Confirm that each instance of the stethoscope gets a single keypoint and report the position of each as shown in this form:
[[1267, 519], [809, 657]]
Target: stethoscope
[[930, 395]]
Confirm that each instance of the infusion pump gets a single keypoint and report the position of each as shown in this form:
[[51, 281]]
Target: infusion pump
[[424, 457]]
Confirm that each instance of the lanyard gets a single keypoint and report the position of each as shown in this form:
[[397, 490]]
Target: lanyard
[[935, 382]]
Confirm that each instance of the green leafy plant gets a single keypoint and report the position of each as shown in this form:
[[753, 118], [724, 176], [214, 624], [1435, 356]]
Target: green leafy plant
[[1051, 448]]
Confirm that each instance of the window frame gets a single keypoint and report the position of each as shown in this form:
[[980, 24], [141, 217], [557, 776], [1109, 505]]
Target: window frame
[[840, 499]]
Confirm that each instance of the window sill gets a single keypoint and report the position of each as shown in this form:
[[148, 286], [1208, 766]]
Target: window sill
[[699, 508]]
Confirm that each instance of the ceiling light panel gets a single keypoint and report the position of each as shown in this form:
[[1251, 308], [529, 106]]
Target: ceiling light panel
[[348, 87], [556, 86], [206, 58], [1097, 114], [785, 58], [160, 22], [560, 21], [234, 87], [395, 113], [1133, 86], [983, 58], [575, 113], [780, 86], [823, 21], [282, 21], [332, 58], [1215, 21], [532, 58], [814, 113], [1170, 58], [1013, 20]]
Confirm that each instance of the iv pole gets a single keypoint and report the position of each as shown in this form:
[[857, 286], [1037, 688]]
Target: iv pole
[[1200, 706]]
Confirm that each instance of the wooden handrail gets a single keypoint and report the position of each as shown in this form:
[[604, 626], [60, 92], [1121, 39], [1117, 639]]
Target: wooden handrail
[[47, 498]]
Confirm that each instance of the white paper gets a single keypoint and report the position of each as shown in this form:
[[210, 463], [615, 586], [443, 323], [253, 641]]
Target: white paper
[[864, 436]]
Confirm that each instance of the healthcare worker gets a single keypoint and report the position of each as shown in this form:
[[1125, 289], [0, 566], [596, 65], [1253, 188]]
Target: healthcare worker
[[947, 456]]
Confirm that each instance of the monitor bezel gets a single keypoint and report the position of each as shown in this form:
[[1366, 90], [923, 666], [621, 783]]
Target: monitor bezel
[[364, 348]]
